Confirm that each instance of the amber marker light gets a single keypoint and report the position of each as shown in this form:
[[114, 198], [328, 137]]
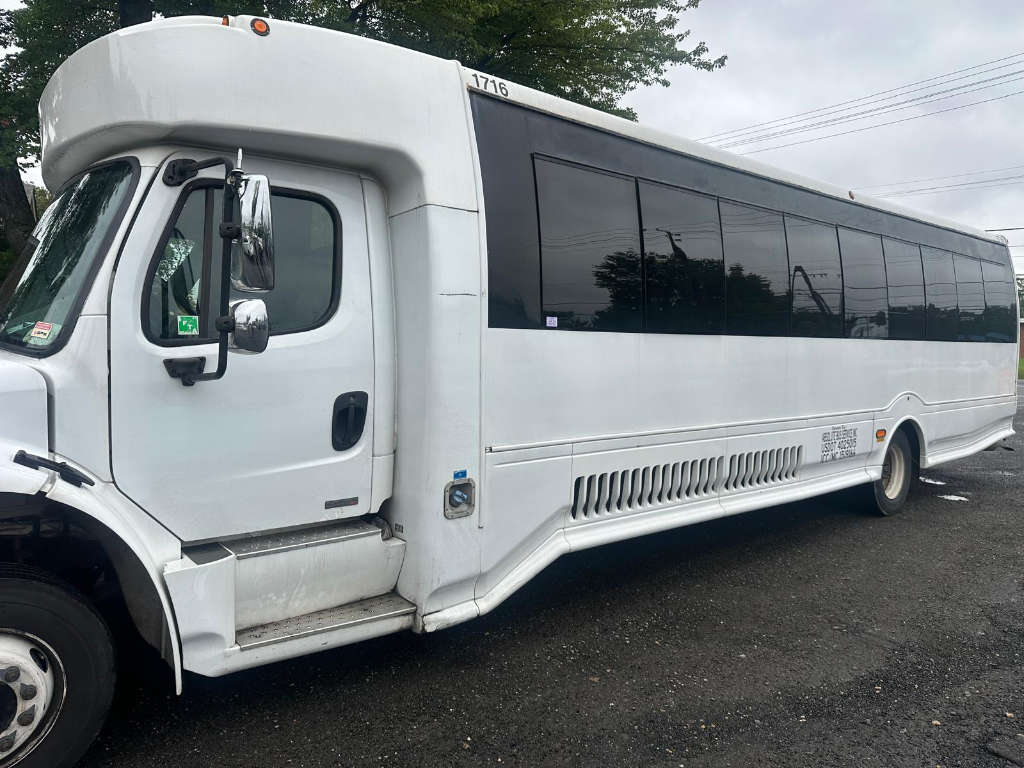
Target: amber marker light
[[225, 21], [880, 435], [260, 27]]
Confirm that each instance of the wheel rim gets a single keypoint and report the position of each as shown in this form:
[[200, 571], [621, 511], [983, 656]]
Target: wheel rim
[[31, 694], [894, 470]]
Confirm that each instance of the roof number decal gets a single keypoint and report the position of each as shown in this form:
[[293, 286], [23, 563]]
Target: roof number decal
[[490, 84]]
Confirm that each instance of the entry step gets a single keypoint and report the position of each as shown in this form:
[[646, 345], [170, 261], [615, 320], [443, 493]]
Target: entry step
[[274, 544], [387, 606]]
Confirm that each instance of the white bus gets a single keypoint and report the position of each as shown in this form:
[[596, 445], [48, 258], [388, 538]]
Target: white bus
[[432, 331]]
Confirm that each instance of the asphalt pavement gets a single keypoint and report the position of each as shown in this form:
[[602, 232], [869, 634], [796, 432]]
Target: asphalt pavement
[[803, 635]]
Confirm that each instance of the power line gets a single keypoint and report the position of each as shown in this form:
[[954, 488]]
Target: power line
[[882, 125], [883, 110], [940, 190], [945, 187], [937, 178], [862, 98]]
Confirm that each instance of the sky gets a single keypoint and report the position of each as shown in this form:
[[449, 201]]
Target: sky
[[791, 56]]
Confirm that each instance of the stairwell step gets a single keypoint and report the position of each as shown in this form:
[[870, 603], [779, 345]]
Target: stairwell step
[[360, 612]]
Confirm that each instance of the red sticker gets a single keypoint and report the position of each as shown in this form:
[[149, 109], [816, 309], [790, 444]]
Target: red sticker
[[41, 330]]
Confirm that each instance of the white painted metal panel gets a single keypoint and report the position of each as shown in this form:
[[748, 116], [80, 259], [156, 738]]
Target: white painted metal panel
[[300, 92], [251, 452]]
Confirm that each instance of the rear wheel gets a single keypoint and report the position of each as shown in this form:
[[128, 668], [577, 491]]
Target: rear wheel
[[56, 671], [888, 494]]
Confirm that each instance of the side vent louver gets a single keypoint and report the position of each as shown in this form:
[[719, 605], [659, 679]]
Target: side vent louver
[[660, 485]]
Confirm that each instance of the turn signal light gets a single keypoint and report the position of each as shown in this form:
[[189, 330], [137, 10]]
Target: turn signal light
[[260, 27], [880, 435]]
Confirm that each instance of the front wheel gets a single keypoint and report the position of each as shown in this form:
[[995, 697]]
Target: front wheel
[[56, 671], [888, 494]]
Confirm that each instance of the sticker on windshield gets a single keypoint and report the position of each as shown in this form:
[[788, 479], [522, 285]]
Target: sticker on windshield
[[41, 330], [188, 325]]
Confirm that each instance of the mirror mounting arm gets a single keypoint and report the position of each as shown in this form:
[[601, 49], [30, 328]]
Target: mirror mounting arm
[[254, 234], [178, 172], [224, 323]]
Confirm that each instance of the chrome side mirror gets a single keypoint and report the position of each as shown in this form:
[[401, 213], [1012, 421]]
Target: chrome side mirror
[[249, 325], [252, 269]]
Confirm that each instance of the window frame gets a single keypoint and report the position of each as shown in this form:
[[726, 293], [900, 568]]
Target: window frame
[[789, 270], [716, 201], [792, 282], [885, 272], [888, 292], [68, 329], [534, 157], [209, 237], [979, 318], [928, 323]]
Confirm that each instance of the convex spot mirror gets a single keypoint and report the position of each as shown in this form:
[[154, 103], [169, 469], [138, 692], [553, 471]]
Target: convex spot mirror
[[252, 268], [250, 326]]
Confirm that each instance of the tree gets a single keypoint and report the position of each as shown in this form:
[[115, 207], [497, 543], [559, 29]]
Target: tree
[[1020, 295], [590, 51]]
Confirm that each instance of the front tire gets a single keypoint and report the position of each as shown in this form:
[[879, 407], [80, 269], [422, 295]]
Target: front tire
[[888, 494], [56, 671]]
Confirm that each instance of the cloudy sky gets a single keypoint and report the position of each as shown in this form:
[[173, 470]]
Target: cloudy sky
[[791, 56]]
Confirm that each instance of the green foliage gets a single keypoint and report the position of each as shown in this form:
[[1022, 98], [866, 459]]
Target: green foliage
[[1020, 294], [1020, 368], [590, 51]]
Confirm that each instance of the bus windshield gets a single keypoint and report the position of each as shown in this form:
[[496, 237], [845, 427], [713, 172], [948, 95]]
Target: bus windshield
[[40, 293]]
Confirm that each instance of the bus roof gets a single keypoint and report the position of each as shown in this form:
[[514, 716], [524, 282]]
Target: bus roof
[[321, 96]]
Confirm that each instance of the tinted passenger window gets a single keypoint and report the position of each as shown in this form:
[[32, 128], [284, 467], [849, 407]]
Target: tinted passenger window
[[817, 278], [905, 280], [970, 293], [590, 248], [185, 288], [1000, 302], [683, 266], [941, 317], [757, 271], [864, 293]]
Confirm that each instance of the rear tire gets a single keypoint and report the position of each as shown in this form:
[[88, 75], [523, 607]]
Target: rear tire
[[57, 659], [888, 495]]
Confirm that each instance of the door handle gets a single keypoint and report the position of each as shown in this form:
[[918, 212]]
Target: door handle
[[348, 418]]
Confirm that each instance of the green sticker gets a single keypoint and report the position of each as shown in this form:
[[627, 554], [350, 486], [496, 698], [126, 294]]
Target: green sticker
[[188, 325]]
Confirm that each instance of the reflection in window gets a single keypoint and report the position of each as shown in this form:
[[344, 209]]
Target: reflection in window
[[757, 271], [176, 291], [942, 316], [905, 280], [37, 299], [304, 271], [1000, 302], [970, 292], [816, 277], [683, 269], [590, 248], [864, 293], [185, 287]]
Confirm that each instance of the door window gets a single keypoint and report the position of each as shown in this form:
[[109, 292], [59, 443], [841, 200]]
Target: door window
[[184, 286]]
